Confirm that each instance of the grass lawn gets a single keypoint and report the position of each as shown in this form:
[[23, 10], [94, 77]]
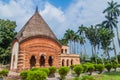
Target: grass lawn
[[108, 76], [105, 76]]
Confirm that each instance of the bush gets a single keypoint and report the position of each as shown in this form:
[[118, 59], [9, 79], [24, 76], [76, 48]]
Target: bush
[[45, 70], [78, 69], [100, 67], [86, 77], [52, 71], [85, 67], [114, 65], [24, 74], [119, 65], [63, 71], [72, 66], [41, 69], [108, 66], [4, 73], [34, 69], [91, 68], [36, 75]]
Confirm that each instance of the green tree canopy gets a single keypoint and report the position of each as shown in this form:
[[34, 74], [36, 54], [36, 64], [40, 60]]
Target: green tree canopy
[[7, 33]]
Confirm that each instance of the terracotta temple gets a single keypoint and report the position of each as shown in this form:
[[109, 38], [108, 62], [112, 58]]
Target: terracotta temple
[[36, 45]]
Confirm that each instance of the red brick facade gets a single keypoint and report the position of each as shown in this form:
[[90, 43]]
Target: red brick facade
[[38, 47]]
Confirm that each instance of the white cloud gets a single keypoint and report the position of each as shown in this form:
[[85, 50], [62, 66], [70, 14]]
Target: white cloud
[[18, 11], [87, 12]]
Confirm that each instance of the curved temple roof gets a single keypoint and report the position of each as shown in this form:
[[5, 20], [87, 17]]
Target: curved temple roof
[[36, 26]]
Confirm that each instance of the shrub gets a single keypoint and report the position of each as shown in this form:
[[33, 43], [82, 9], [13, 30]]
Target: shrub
[[100, 67], [85, 67], [95, 66], [119, 65], [86, 77], [24, 74], [91, 68], [99, 61], [114, 65], [4, 72], [78, 69], [108, 66], [36, 75], [45, 70], [34, 69], [72, 66], [52, 70], [41, 69], [63, 71]]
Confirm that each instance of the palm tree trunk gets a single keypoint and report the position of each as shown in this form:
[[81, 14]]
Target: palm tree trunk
[[95, 53], [69, 46], [74, 47], [81, 50], [114, 50], [92, 50], [85, 50], [108, 54], [103, 58], [118, 36]]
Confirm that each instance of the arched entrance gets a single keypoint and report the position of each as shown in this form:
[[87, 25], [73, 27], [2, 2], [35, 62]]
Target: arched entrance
[[72, 62], [42, 60], [50, 60], [32, 61], [63, 62], [67, 62]]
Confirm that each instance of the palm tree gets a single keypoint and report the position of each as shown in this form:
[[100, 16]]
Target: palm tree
[[69, 36], [64, 41], [113, 12], [110, 23], [76, 40], [93, 36], [81, 31], [106, 37], [112, 9], [82, 43]]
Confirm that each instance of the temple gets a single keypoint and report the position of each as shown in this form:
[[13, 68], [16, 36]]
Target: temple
[[36, 45]]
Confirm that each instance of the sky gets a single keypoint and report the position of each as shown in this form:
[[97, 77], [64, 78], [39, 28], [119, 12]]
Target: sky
[[59, 14]]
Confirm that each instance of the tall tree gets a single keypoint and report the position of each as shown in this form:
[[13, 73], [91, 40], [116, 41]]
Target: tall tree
[[93, 36], [64, 42], [81, 32], [69, 36], [76, 40], [106, 37], [113, 12], [7, 33]]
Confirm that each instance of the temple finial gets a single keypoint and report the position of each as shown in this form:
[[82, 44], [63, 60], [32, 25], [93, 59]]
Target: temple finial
[[36, 9]]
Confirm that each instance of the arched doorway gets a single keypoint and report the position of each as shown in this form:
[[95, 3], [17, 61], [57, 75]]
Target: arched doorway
[[72, 62], [67, 62], [63, 62], [42, 60], [32, 61], [50, 60]]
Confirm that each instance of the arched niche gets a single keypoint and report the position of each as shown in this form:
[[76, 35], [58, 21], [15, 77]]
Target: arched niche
[[42, 60], [32, 61], [50, 60], [63, 62]]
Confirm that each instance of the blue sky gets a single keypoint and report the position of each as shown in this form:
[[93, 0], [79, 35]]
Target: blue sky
[[59, 14]]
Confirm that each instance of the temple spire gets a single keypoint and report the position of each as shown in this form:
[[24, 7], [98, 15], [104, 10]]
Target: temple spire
[[36, 9]]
